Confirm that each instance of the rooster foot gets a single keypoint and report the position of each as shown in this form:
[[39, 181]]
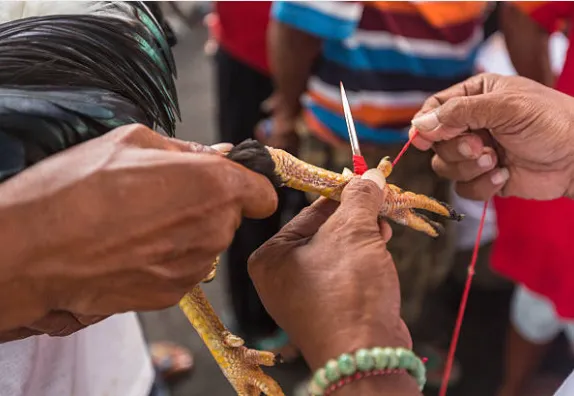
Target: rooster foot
[[245, 374]]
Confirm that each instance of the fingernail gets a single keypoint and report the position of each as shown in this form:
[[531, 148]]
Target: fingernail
[[222, 147], [464, 149], [376, 176], [426, 122], [500, 176], [485, 161]]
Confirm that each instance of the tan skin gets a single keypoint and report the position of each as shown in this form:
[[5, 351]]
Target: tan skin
[[525, 128], [349, 297], [292, 54], [112, 225]]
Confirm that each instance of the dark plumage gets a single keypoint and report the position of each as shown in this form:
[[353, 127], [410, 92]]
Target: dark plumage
[[253, 155], [69, 78]]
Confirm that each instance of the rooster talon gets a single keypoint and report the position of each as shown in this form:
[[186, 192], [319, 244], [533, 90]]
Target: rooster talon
[[211, 276], [416, 221], [231, 340]]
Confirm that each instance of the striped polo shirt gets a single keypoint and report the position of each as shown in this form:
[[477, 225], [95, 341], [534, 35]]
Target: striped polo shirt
[[389, 55]]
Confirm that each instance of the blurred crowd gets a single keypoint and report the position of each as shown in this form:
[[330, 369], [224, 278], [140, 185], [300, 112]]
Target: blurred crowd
[[278, 66]]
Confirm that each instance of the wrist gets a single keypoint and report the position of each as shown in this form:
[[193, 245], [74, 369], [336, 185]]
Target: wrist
[[287, 109], [392, 333], [391, 384]]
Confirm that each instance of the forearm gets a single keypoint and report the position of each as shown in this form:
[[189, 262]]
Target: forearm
[[21, 301], [292, 54], [527, 45]]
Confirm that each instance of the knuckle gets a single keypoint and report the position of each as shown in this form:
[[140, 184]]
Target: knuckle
[[439, 166], [362, 187]]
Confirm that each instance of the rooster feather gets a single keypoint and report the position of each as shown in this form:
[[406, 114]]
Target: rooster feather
[[72, 71]]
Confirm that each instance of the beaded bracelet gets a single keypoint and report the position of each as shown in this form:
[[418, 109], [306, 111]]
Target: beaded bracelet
[[379, 360]]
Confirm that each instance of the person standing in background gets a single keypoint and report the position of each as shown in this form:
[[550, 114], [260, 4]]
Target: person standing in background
[[390, 56], [243, 84], [534, 244]]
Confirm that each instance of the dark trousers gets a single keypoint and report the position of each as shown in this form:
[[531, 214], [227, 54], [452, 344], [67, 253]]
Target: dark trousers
[[240, 92]]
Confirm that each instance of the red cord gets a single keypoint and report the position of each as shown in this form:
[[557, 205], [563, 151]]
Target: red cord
[[359, 164], [405, 147], [462, 308], [466, 292]]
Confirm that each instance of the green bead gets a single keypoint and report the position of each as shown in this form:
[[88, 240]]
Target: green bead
[[319, 378], [332, 372], [380, 357], [393, 358], [346, 364], [314, 389], [364, 359], [406, 358]]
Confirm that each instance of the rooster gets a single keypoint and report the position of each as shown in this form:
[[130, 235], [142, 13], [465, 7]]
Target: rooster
[[72, 71]]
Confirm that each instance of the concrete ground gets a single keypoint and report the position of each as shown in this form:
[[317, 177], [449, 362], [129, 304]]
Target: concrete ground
[[482, 339]]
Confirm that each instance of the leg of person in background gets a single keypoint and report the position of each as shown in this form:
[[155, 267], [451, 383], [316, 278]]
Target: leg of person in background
[[533, 327], [240, 92]]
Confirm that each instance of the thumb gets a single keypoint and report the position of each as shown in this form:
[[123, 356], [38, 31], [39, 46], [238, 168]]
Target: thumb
[[364, 197], [461, 114]]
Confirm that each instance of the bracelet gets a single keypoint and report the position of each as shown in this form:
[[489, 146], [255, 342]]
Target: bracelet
[[360, 375], [376, 361]]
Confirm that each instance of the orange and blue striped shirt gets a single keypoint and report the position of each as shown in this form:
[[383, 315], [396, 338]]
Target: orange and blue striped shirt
[[390, 55]]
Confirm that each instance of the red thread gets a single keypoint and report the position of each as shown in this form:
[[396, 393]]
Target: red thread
[[405, 147], [466, 292], [462, 308], [359, 165], [360, 375]]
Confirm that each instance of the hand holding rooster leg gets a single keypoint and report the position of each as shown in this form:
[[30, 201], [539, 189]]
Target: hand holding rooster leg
[[128, 221]]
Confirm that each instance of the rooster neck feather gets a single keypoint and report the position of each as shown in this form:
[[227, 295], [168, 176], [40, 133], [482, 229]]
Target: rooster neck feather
[[114, 47]]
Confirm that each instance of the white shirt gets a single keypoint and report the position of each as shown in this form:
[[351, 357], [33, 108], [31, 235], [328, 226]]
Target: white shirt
[[107, 359], [567, 388]]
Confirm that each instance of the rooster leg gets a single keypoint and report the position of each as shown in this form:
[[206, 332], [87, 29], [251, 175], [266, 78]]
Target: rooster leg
[[416, 221], [398, 199], [239, 364], [213, 272]]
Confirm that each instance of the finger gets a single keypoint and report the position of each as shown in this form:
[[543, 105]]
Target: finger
[[461, 114], [461, 148], [475, 85], [483, 187], [301, 228], [419, 141], [192, 147], [257, 196], [363, 197], [386, 230], [307, 223], [465, 170]]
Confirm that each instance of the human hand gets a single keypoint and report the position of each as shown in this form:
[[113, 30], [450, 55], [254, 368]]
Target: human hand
[[128, 221], [328, 279], [505, 135]]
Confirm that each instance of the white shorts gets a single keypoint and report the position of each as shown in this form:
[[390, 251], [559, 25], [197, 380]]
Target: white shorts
[[534, 318]]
